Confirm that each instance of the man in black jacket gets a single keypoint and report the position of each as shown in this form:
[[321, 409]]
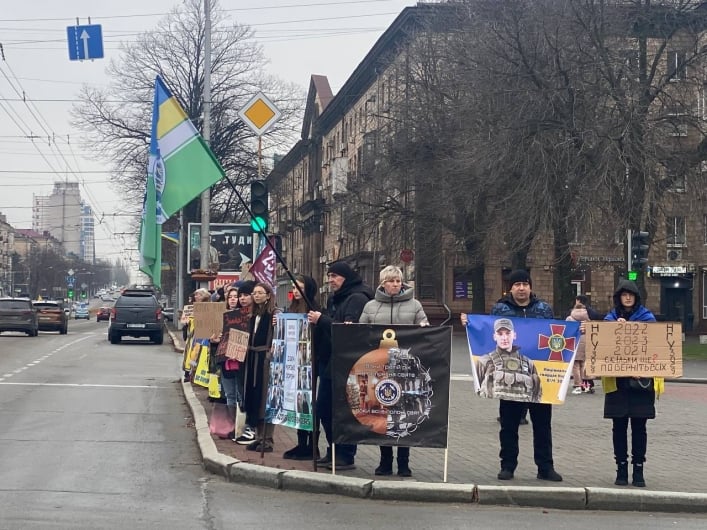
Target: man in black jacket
[[345, 305]]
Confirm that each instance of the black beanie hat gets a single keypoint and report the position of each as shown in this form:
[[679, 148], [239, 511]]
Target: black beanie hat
[[519, 275], [246, 287], [342, 269]]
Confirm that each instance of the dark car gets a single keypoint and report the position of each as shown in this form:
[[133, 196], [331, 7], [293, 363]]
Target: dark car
[[18, 314], [51, 316], [103, 313], [168, 314], [136, 313]]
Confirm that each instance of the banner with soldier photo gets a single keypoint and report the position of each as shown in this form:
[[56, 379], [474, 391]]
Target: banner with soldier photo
[[522, 359], [391, 384], [289, 398]]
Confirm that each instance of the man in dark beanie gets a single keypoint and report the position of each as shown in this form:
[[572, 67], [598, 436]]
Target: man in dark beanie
[[520, 301], [345, 304]]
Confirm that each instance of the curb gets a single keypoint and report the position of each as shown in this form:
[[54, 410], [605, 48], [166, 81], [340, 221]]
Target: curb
[[567, 498]]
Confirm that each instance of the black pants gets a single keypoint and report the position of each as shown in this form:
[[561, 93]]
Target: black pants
[[639, 439], [541, 417], [387, 454], [344, 452]]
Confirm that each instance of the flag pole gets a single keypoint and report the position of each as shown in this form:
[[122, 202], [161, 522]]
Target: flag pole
[[206, 134]]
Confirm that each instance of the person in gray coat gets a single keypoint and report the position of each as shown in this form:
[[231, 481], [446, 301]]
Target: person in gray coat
[[393, 303]]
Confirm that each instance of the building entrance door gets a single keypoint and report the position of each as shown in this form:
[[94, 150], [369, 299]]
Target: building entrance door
[[676, 303]]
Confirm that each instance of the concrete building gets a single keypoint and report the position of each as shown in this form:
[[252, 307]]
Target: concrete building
[[7, 245], [60, 214], [342, 134], [88, 234]]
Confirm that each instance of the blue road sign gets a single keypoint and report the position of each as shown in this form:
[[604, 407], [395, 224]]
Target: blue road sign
[[85, 42], [70, 281]]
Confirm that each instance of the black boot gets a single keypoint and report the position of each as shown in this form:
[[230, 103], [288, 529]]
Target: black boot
[[638, 479], [621, 474], [404, 462], [385, 467]]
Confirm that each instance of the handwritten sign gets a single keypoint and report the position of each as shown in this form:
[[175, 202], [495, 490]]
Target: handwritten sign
[[208, 319], [237, 346], [625, 349]]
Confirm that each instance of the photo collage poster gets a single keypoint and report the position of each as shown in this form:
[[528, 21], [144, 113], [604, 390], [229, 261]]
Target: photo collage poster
[[289, 398]]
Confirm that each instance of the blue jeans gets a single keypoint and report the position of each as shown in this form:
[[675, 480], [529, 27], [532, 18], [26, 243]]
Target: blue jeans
[[232, 389]]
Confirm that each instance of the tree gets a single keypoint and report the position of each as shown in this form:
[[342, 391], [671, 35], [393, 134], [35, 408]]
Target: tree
[[117, 119]]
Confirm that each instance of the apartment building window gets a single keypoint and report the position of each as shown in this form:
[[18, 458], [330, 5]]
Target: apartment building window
[[676, 233], [702, 101], [676, 65], [677, 179]]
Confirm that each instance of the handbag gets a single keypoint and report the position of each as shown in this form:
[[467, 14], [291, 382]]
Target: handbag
[[642, 384], [237, 345]]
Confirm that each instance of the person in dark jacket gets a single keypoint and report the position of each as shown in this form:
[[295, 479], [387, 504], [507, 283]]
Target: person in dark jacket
[[344, 305], [629, 398], [304, 448], [393, 303], [521, 302]]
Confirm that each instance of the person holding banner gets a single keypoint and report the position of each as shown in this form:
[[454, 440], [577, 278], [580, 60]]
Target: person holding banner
[[307, 285], [630, 398], [393, 303], [522, 302], [257, 369], [345, 304], [231, 381]]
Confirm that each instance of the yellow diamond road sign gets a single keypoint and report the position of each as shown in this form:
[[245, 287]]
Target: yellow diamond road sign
[[259, 114]]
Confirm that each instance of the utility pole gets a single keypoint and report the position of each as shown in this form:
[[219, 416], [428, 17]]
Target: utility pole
[[206, 133]]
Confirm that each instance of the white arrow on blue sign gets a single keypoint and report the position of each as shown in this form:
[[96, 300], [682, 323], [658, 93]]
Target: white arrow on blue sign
[[85, 42]]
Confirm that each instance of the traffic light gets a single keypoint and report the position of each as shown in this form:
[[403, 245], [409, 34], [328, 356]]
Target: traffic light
[[259, 205], [639, 249], [70, 293]]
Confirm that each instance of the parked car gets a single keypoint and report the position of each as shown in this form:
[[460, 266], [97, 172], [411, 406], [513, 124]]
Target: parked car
[[168, 314], [51, 316], [103, 313], [18, 314], [81, 312], [136, 313]]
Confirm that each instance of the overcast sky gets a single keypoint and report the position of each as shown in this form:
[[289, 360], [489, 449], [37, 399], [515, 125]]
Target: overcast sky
[[299, 38]]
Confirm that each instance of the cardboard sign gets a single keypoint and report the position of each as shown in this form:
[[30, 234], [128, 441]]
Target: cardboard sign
[[208, 319], [237, 345], [625, 349]]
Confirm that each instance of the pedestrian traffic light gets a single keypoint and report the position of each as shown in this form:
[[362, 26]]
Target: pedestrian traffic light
[[259, 205], [639, 249]]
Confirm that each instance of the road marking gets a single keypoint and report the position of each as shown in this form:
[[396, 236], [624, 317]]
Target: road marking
[[82, 385], [462, 377], [45, 357]]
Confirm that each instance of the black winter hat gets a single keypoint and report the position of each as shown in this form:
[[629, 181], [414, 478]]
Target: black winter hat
[[246, 287], [519, 275], [342, 269]]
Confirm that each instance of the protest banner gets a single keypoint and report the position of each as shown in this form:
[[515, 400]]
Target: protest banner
[[208, 319], [625, 349], [391, 384], [522, 359], [289, 398]]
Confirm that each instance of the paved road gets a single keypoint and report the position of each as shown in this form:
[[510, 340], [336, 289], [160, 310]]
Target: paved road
[[677, 440]]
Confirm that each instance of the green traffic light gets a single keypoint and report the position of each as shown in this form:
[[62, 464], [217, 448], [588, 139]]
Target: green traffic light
[[633, 275], [258, 224]]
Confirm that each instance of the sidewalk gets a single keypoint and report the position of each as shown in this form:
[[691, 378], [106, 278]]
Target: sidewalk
[[677, 451]]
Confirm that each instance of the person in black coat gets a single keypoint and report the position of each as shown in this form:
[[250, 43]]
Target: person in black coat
[[629, 399], [345, 305], [304, 448]]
